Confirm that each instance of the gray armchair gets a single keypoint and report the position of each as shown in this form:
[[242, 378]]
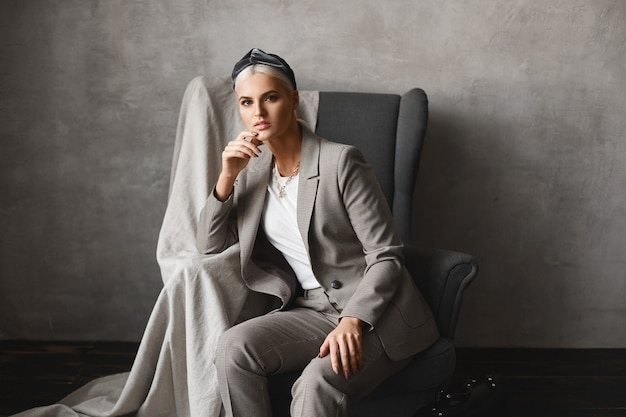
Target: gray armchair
[[390, 129]]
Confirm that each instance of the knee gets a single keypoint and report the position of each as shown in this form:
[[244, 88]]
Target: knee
[[234, 350], [317, 380], [319, 391]]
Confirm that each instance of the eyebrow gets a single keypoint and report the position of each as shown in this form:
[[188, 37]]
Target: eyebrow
[[262, 95]]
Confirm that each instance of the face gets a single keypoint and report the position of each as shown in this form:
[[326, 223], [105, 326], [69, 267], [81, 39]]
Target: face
[[266, 106]]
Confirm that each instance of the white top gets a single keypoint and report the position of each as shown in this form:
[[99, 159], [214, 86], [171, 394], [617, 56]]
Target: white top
[[281, 226]]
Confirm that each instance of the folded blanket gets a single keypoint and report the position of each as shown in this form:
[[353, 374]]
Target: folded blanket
[[173, 374]]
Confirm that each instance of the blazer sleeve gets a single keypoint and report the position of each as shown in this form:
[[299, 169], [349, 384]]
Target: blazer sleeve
[[372, 222], [216, 225]]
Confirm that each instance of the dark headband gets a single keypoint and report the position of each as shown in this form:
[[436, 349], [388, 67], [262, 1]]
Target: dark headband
[[257, 56]]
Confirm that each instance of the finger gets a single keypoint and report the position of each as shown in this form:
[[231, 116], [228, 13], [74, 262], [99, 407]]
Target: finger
[[334, 358], [234, 156], [250, 140], [345, 359], [356, 358], [239, 149], [323, 350], [252, 137], [351, 365]]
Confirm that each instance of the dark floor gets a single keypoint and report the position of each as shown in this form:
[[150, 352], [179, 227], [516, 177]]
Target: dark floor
[[554, 382], [41, 373], [537, 382]]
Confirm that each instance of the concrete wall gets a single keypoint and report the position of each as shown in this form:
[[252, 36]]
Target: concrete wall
[[525, 165]]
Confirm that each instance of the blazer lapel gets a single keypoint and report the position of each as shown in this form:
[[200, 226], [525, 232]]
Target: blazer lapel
[[253, 186], [309, 181]]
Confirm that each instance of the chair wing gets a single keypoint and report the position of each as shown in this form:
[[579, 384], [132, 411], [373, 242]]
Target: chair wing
[[389, 129]]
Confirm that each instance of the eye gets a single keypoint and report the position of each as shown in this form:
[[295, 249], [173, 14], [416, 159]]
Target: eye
[[245, 102], [271, 97]]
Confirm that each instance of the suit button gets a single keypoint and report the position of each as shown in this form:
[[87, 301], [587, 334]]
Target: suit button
[[336, 284]]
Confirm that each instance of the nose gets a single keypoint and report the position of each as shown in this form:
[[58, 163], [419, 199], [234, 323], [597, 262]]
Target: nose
[[259, 109]]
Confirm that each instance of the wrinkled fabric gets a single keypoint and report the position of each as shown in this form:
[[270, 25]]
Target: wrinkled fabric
[[173, 374]]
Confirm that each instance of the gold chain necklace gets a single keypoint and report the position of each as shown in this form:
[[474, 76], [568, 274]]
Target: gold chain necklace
[[281, 188]]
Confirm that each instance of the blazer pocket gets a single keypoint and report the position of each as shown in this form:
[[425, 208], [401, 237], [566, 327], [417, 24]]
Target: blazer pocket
[[410, 306]]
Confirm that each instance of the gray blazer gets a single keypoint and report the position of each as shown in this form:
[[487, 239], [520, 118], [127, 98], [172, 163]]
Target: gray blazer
[[346, 226]]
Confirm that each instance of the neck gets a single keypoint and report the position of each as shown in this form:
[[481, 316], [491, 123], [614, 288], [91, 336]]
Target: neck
[[287, 151]]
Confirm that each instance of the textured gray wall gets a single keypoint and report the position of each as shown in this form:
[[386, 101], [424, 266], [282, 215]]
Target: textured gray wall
[[525, 165]]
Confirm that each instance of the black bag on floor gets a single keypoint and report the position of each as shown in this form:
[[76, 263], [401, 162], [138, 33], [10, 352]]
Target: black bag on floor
[[480, 397]]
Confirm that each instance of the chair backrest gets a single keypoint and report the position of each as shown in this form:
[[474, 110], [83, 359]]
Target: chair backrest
[[389, 129]]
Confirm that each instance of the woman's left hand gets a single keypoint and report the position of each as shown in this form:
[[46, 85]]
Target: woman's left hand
[[345, 346]]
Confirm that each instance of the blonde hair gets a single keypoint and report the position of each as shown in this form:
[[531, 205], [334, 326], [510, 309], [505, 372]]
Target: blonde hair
[[264, 69]]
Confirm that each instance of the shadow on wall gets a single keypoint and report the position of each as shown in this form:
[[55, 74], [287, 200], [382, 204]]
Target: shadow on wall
[[501, 190]]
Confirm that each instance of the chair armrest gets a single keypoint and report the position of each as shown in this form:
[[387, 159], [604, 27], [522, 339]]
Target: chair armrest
[[442, 276]]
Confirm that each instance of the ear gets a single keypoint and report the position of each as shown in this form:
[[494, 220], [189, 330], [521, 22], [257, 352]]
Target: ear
[[296, 99]]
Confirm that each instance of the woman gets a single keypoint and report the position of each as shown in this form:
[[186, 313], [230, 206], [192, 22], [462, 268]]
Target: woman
[[315, 233]]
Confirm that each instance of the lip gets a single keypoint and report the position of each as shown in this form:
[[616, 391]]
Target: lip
[[262, 125]]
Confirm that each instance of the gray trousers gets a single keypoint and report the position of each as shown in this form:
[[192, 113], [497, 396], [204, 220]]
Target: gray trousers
[[285, 341]]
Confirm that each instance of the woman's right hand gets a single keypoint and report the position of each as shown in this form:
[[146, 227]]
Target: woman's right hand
[[235, 157]]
